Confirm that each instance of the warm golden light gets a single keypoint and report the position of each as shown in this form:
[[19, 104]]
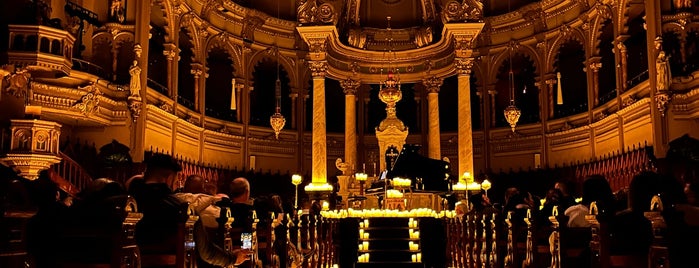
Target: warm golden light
[[296, 179], [486, 185], [317, 187], [361, 176]]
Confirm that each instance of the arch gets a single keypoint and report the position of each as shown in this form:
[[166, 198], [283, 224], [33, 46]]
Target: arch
[[187, 22], [286, 63], [524, 50], [622, 18], [167, 8], [56, 47], [596, 32], [44, 45], [574, 34], [222, 41], [673, 27]]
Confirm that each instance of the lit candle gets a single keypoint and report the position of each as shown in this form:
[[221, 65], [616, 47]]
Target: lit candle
[[361, 247], [419, 257], [414, 257], [365, 245], [366, 235], [361, 233], [366, 223]]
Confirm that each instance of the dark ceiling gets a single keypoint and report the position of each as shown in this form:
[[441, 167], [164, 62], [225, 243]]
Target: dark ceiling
[[373, 13]]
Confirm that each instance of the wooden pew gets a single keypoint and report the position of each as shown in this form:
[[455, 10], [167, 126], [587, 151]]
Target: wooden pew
[[107, 241], [658, 255], [599, 238], [516, 249], [13, 232], [567, 244], [185, 255], [537, 254]]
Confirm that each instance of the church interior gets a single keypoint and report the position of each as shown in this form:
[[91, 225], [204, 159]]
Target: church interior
[[353, 133]]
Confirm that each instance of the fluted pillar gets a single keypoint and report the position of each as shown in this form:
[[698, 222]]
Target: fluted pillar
[[319, 168], [465, 128], [350, 89], [432, 84]]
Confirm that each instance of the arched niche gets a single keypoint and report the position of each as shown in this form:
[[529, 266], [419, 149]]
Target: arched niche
[[157, 62], [262, 98], [219, 86], [185, 79], [525, 92], [570, 63], [637, 53], [607, 74]]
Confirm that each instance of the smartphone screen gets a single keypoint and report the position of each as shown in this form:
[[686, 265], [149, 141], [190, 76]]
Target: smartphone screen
[[246, 238]]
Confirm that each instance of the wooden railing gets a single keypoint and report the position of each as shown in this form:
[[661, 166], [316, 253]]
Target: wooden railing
[[620, 167], [76, 176]]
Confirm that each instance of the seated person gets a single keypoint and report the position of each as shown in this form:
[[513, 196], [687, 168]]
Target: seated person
[[43, 228], [595, 189], [237, 198], [194, 193], [631, 233]]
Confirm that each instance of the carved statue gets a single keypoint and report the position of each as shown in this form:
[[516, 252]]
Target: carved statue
[[135, 83], [682, 4], [662, 67], [117, 10]]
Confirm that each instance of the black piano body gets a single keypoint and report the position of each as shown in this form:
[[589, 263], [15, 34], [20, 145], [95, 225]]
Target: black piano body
[[426, 173]]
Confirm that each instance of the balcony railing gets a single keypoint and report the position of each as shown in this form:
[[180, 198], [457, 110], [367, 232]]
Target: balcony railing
[[91, 68], [643, 76], [158, 87]]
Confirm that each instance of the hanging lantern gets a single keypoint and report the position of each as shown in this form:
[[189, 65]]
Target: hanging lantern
[[277, 120], [512, 114]]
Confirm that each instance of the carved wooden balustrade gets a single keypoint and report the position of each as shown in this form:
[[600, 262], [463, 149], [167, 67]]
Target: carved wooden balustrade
[[659, 255], [619, 168], [311, 241], [471, 240]]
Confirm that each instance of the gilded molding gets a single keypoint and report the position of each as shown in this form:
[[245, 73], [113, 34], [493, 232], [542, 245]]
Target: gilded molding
[[318, 68]]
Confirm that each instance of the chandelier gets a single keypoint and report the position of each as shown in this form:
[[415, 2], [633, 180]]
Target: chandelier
[[512, 113], [389, 89], [277, 120]]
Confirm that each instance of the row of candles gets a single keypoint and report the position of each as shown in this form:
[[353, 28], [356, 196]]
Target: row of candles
[[341, 214], [381, 213], [467, 183]]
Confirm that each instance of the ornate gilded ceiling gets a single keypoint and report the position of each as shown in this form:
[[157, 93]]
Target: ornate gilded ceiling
[[418, 36]]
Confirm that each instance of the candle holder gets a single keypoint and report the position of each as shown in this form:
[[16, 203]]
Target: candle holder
[[361, 178], [486, 186], [317, 191], [296, 179]]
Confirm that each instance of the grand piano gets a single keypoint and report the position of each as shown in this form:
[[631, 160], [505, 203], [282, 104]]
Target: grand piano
[[427, 174]]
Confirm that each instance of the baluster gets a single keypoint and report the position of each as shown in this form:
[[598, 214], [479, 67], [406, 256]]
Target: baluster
[[555, 245], [529, 255], [493, 258], [255, 249], [273, 259], [460, 242], [510, 258], [299, 229], [658, 256], [467, 244], [484, 242], [476, 249]]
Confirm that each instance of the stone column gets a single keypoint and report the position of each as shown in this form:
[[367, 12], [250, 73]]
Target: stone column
[[465, 132], [620, 60], [197, 71], [293, 96], [142, 34], [170, 53], [319, 168], [549, 87], [433, 84], [350, 88], [593, 66]]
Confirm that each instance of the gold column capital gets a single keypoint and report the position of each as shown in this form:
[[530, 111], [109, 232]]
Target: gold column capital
[[350, 86], [464, 65], [318, 68], [432, 84]]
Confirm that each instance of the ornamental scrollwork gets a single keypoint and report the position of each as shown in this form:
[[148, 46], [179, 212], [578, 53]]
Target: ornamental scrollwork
[[466, 10], [88, 103], [312, 12], [18, 83]]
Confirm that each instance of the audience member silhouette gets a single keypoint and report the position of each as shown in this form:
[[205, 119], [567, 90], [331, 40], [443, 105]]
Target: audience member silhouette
[[43, 228], [631, 233], [595, 189]]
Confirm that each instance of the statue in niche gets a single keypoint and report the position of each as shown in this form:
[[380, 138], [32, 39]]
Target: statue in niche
[[135, 72], [682, 4], [117, 10], [662, 67]]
